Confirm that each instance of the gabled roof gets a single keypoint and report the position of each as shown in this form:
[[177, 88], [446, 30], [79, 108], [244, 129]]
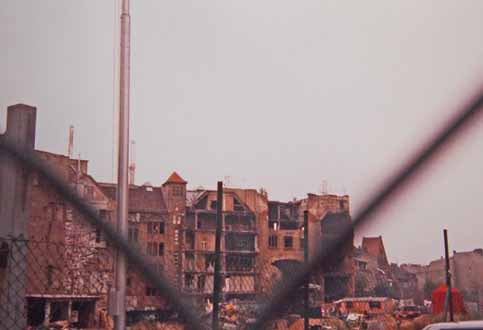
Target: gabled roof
[[175, 178]]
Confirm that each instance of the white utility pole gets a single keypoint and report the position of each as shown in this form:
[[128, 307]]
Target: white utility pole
[[123, 165]]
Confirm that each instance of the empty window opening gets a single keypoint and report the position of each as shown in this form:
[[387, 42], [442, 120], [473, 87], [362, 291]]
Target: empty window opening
[[374, 304], [288, 242], [273, 225], [272, 241]]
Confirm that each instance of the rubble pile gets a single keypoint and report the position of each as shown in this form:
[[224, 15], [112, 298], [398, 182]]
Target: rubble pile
[[147, 325]]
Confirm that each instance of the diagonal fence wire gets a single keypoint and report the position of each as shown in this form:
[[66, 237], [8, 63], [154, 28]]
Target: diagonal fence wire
[[284, 290], [29, 160]]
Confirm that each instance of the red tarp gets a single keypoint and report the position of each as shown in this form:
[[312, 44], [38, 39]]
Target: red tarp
[[439, 296]]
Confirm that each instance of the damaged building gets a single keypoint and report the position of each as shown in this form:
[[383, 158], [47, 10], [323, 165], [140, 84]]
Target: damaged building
[[238, 244], [69, 266], [283, 237], [155, 218]]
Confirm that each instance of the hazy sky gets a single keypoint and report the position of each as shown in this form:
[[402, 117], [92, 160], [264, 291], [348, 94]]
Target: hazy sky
[[280, 94]]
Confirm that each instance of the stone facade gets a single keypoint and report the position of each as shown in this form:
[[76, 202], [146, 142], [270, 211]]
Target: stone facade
[[68, 263]]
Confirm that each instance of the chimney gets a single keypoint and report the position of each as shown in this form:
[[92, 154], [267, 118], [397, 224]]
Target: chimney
[[132, 165], [70, 150]]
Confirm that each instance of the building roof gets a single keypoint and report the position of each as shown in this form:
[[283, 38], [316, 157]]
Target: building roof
[[175, 178], [141, 198]]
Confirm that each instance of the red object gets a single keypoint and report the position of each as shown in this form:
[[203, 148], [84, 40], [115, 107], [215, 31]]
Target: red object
[[439, 296]]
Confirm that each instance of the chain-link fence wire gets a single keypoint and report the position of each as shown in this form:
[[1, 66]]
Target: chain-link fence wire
[[62, 285], [178, 302], [239, 273]]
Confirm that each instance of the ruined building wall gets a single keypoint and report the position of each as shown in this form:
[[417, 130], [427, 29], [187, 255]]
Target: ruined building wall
[[66, 256]]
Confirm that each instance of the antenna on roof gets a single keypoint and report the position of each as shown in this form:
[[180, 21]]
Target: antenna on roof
[[324, 187], [227, 181], [70, 148], [132, 165]]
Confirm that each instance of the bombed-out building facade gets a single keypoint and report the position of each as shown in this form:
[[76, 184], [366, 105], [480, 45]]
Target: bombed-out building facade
[[70, 265]]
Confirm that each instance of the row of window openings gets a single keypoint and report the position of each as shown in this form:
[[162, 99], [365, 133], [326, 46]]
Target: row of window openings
[[288, 242], [155, 249], [237, 206], [133, 235], [153, 228]]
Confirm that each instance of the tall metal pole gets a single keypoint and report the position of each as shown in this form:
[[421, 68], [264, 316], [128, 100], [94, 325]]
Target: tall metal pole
[[217, 276], [306, 260], [448, 276], [123, 164]]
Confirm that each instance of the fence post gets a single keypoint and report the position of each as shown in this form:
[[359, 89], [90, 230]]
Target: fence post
[[15, 203], [217, 276], [448, 278], [306, 260]]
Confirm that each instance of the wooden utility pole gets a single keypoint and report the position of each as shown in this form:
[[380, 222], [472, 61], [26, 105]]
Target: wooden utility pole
[[217, 278], [306, 261], [15, 203], [448, 278]]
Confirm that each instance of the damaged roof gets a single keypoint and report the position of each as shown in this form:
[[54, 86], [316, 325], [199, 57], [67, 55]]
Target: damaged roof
[[141, 198]]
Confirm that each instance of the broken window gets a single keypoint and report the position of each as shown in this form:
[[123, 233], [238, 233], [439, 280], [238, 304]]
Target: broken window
[[161, 227], [213, 205], [237, 206], [202, 203], [240, 242], [289, 224], [272, 211], [152, 249], [273, 225], [133, 233], [207, 221], [201, 282], [189, 240], [210, 262], [288, 242], [152, 228], [161, 249], [272, 241], [189, 281], [239, 263], [190, 261], [374, 304]]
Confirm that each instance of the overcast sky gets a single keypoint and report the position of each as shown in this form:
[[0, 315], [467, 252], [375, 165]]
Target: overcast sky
[[279, 94]]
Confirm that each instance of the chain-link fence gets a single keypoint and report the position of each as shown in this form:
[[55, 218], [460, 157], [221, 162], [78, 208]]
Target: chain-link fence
[[267, 272]]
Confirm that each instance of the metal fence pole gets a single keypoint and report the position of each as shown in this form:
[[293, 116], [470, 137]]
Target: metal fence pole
[[217, 276], [123, 165], [306, 261]]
